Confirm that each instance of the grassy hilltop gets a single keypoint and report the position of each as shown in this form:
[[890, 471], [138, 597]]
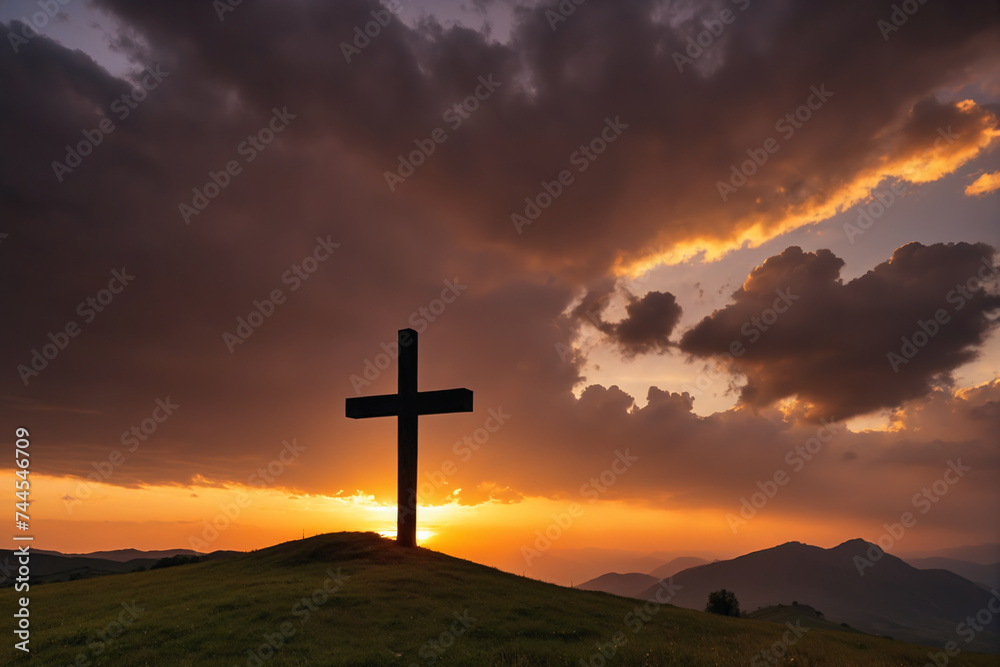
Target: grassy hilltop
[[396, 607]]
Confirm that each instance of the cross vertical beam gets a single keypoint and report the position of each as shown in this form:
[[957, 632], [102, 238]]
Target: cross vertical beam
[[406, 439]]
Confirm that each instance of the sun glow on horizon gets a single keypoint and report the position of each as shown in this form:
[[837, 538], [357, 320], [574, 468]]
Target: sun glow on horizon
[[422, 535]]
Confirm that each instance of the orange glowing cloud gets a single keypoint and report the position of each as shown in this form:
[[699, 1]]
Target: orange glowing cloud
[[984, 184], [906, 151]]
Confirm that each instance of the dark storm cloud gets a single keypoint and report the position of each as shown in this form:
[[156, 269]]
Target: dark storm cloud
[[608, 60], [848, 348], [648, 323]]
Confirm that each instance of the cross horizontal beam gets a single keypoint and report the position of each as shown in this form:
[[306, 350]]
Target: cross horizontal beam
[[427, 403], [362, 407], [444, 400]]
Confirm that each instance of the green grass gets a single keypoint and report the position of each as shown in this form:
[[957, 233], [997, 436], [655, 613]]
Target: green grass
[[392, 603]]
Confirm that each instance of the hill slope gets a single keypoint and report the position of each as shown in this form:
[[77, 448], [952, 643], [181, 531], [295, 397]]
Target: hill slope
[[801, 614], [357, 599], [892, 598]]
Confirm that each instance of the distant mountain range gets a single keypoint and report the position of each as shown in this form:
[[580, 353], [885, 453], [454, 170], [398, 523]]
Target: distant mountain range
[[124, 555], [887, 597], [680, 564], [924, 600], [627, 585], [987, 575], [49, 566], [983, 554], [633, 583], [569, 566]]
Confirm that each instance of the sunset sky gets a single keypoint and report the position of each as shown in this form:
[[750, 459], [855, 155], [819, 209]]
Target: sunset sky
[[682, 252]]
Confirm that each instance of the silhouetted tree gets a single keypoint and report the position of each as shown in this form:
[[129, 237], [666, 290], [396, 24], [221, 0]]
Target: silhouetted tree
[[723, 602]]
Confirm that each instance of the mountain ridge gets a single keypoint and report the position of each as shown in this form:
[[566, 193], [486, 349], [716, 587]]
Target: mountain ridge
[[854, 582]]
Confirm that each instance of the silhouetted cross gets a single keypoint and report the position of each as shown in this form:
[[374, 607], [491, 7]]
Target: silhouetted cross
[[406, 404]]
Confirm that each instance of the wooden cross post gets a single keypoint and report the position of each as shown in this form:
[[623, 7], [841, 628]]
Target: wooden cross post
[[406, 405]]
